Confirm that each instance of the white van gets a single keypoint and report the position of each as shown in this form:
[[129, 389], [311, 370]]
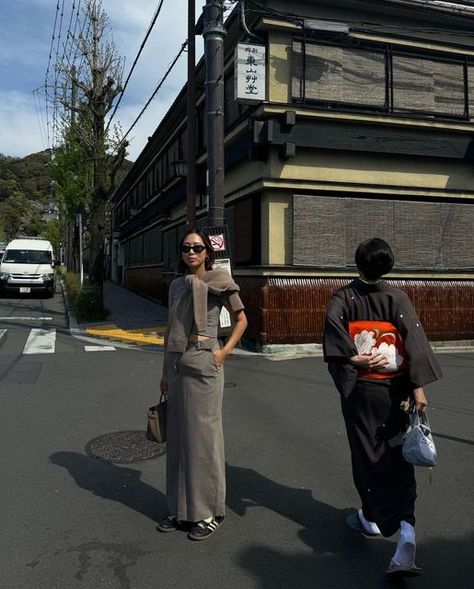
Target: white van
[[27, 266]]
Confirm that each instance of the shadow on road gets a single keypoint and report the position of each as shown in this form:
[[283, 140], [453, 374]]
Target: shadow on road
[[340, 559], [112, 482]]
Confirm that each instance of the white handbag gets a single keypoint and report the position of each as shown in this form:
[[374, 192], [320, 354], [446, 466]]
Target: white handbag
[[418, 446]]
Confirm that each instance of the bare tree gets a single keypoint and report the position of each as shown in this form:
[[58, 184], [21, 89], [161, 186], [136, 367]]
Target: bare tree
[[89, 79]]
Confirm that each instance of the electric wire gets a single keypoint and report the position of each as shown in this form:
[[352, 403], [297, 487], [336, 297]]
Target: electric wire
[[68, 32], [55, 130], [150, 28], [39, 114], [71, 32], [155, 92], [46, 81]]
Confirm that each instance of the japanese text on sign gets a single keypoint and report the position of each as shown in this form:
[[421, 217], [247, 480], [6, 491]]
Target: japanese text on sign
[[250, 72]]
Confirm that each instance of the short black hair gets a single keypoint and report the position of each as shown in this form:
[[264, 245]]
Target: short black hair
[[210, 254], [374, 258]]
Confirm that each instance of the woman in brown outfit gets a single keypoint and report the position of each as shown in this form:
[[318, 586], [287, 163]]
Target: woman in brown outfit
[[193, 378]]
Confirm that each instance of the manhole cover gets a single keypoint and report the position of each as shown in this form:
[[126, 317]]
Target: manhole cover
[[124, 447]]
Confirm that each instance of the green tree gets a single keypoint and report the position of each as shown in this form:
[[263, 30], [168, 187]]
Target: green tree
[[33, 224], [14, 214], [52, 232]]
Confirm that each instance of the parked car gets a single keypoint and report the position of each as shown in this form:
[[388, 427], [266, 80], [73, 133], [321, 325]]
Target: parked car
[[28, 266]]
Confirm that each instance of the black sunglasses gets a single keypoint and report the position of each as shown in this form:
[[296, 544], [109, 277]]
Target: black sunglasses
[[194, 248]]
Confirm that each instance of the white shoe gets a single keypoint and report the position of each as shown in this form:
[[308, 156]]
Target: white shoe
[[370, 527], [406, 547]]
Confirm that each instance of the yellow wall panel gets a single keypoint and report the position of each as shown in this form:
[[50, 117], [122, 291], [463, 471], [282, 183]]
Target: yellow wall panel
[[384, 170]]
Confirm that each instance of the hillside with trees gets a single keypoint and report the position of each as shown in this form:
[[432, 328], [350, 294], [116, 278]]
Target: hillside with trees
[[27, 198], [25, 194]]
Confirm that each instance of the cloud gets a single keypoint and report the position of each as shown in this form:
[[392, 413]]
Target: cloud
[[29, 24], [19, 121]]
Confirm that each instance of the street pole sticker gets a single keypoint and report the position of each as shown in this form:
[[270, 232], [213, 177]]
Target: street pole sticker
[[224, 317], [217, 242]]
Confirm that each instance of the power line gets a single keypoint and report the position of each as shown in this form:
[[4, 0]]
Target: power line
[[150, 28], [160, 84], [47, 71], [71, 33], [68, 33], [55, 92], [39, 114]]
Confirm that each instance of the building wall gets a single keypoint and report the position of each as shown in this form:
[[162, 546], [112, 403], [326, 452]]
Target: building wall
[[307, 178], [291, 310]]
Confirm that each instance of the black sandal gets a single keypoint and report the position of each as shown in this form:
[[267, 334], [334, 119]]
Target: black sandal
[[204, 530], [169, 524]]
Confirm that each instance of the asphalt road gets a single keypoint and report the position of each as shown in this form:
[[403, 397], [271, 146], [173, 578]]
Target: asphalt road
[[70, 521]]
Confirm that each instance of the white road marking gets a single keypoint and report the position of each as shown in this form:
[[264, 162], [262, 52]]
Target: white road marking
[[40, 341], [26, 318], [99, 348], [2, 332]]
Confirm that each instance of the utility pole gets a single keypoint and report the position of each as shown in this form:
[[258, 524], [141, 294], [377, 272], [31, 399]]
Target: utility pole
[[191, 118], [213, 33], [71, 266]]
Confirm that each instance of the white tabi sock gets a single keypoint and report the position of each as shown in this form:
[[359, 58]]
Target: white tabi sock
[[370, 527], [406, 547]]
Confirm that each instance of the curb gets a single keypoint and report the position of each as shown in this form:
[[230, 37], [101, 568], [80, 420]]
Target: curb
[[74, 328], [77, 329], [271, 352], [134, 337]]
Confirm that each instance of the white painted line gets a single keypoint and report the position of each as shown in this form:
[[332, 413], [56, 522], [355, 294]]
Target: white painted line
[[40, 341], [26, 318], [2, 332], [99, 348]]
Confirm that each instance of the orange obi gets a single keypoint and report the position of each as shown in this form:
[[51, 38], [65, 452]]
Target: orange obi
[[379, 337]]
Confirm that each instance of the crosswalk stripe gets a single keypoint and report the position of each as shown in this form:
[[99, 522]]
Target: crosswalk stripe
[[43, 341], [99, 348], [40, 341], [14, 318]]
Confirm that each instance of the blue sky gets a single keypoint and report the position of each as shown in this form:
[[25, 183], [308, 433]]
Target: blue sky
[[25, 32]]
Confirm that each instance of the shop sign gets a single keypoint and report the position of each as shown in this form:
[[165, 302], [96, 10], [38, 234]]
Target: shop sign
[[250, 72]]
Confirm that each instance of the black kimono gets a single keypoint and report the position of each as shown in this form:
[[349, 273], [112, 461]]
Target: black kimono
[[361, 319]]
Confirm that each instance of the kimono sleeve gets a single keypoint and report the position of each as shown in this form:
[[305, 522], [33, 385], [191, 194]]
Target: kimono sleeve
[[337, 343], [338, 346], [422, 366]]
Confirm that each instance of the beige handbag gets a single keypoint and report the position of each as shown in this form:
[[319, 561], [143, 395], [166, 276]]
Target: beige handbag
[[156, 421]]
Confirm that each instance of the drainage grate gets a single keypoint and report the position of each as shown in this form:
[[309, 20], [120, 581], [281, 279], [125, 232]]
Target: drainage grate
[[124, 447]]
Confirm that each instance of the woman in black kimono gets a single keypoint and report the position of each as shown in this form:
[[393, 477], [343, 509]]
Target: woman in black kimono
[[379, 358]]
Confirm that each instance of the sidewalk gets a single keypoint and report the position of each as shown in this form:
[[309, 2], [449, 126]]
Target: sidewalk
[[132, 319]]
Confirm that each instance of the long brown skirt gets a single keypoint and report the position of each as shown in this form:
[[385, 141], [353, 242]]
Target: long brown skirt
[[375, 425], [195, 463]]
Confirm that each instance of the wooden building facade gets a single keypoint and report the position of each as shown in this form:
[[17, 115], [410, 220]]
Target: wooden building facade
[[367, 130]]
